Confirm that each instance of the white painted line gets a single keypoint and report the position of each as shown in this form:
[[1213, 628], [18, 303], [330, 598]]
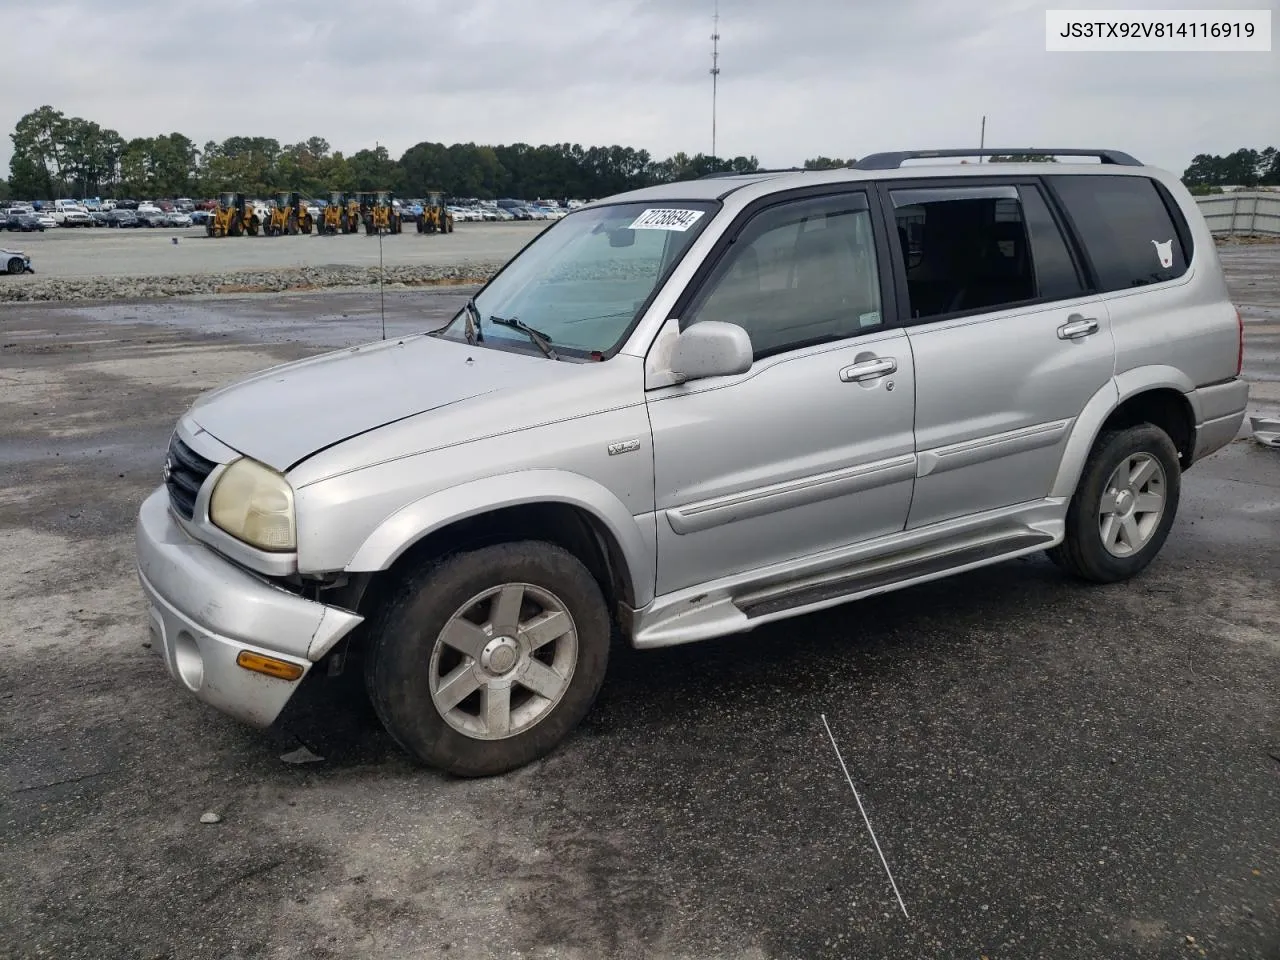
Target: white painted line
[[865, 818]]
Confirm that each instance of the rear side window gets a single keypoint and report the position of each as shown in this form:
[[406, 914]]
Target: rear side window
[[964, 248], [1126, 228]]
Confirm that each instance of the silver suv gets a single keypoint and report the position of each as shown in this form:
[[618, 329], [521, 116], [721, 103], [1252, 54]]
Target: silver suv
[[689, 410]]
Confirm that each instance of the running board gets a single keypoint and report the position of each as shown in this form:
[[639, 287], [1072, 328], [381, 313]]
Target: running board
[[877, 575]]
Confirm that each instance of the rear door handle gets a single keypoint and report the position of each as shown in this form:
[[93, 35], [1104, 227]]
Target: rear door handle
[[1077, 327], [869, 370]]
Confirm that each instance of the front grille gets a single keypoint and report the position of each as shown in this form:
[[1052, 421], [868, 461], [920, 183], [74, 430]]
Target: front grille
[[185, 472]]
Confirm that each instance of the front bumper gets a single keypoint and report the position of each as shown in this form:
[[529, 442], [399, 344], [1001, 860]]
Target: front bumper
[[204, 611]]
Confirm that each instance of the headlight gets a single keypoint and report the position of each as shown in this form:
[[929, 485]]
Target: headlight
[[255, 504]]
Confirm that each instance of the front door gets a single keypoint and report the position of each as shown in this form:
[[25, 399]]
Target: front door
[[812, 447], [1008, 345]]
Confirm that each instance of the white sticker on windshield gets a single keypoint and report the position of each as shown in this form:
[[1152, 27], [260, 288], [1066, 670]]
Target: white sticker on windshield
[[680, 220]]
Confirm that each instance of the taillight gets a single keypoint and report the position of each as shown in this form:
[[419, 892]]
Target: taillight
[[1240, 350]]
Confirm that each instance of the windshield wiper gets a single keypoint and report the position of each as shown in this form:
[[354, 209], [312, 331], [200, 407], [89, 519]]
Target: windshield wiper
[[542, 341]]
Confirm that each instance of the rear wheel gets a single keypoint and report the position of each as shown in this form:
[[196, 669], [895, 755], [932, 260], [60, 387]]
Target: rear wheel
[[16, 266], [1123, 507], [487, 660]]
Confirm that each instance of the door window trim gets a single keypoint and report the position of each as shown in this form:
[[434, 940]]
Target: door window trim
[[1020, 182], [723, 243]]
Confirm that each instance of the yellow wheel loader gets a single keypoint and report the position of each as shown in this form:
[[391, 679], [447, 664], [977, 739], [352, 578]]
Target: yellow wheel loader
[[337, 216], [232, 218], [435, 216], [290, 215], [379, 214]]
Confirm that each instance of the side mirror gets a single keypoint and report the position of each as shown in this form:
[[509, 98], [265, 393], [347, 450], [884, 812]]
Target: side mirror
[[711, 348]]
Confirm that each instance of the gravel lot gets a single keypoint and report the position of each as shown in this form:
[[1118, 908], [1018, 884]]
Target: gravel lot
[[107, 264], [1053, 770]]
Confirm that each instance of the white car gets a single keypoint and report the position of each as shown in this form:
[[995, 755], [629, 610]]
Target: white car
[[501, 214], [148, 207], [45, 219]]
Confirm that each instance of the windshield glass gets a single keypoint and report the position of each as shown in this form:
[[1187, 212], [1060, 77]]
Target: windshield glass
[[583, 281]]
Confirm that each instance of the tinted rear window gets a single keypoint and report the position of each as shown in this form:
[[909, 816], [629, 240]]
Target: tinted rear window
[[1129, 236]]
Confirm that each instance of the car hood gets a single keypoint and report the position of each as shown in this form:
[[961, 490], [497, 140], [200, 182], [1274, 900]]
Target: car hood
[[287, 413]]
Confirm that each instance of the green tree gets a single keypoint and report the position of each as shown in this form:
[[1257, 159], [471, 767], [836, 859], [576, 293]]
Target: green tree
[[825, 163], [38, 150], [374, 170]]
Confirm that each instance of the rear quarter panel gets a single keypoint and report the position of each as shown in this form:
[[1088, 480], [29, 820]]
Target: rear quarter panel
[[1188, 324]]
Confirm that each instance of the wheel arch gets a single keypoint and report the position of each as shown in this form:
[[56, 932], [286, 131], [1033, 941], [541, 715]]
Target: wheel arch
[[569, 509], [1163, 396]]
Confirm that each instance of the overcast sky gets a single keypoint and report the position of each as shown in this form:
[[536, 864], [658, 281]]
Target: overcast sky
[[799, 77]]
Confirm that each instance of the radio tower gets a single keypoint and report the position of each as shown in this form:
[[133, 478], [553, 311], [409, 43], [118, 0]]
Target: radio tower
[[715, 73]]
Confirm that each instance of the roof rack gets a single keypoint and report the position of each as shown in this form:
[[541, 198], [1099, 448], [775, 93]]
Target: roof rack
[[749, 173], [893, 160]]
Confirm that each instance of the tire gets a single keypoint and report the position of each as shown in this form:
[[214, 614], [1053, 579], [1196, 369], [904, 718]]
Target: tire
[[407, 657], [1084, 552], [16, 267]]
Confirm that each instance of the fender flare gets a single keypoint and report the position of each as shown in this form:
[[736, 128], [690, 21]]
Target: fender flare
[[402, 529], [1102, 404]]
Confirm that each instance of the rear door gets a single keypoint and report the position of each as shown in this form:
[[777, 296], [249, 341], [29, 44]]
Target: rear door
[[1008, 343]]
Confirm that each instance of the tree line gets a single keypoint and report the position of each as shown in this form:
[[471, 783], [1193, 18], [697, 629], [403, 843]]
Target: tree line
[[1245, 168], [55, 155], [59, 156]]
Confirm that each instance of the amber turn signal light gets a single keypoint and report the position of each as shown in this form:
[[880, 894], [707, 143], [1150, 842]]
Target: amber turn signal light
[[280, 669]]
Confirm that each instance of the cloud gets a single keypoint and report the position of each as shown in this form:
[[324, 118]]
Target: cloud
[[799, 77]]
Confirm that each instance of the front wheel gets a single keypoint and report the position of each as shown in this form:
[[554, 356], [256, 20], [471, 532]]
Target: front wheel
[[487, 660], [16, 266], [1123, 507]]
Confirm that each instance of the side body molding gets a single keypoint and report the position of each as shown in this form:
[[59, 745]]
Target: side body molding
[[416, 520], [1100, 406]]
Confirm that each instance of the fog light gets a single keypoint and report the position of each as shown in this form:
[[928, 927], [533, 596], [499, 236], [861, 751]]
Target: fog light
[[280, 669]]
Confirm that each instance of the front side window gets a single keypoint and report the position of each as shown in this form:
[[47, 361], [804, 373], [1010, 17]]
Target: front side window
[[799, 273], [1126, 229], [583, 282]]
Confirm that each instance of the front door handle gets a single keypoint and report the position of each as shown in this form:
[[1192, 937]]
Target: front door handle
[[869, 370], [1077, 327]]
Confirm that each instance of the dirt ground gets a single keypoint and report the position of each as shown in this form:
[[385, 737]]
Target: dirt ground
[[1052, 770]]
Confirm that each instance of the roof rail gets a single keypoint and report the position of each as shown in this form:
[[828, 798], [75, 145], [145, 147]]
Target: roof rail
[[893, 160], [749, 173]]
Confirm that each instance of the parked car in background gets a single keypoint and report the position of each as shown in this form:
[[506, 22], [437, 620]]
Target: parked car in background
[[15, 262], [23, 222], [73, 218], [199, 217], [46, 219], [100, 218], [124, 218], [177, 218]]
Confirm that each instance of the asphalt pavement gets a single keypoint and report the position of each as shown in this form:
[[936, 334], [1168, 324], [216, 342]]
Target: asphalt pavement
[[1051, 769]]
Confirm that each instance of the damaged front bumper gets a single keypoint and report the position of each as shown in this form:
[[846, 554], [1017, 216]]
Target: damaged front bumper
[[205, 613]]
